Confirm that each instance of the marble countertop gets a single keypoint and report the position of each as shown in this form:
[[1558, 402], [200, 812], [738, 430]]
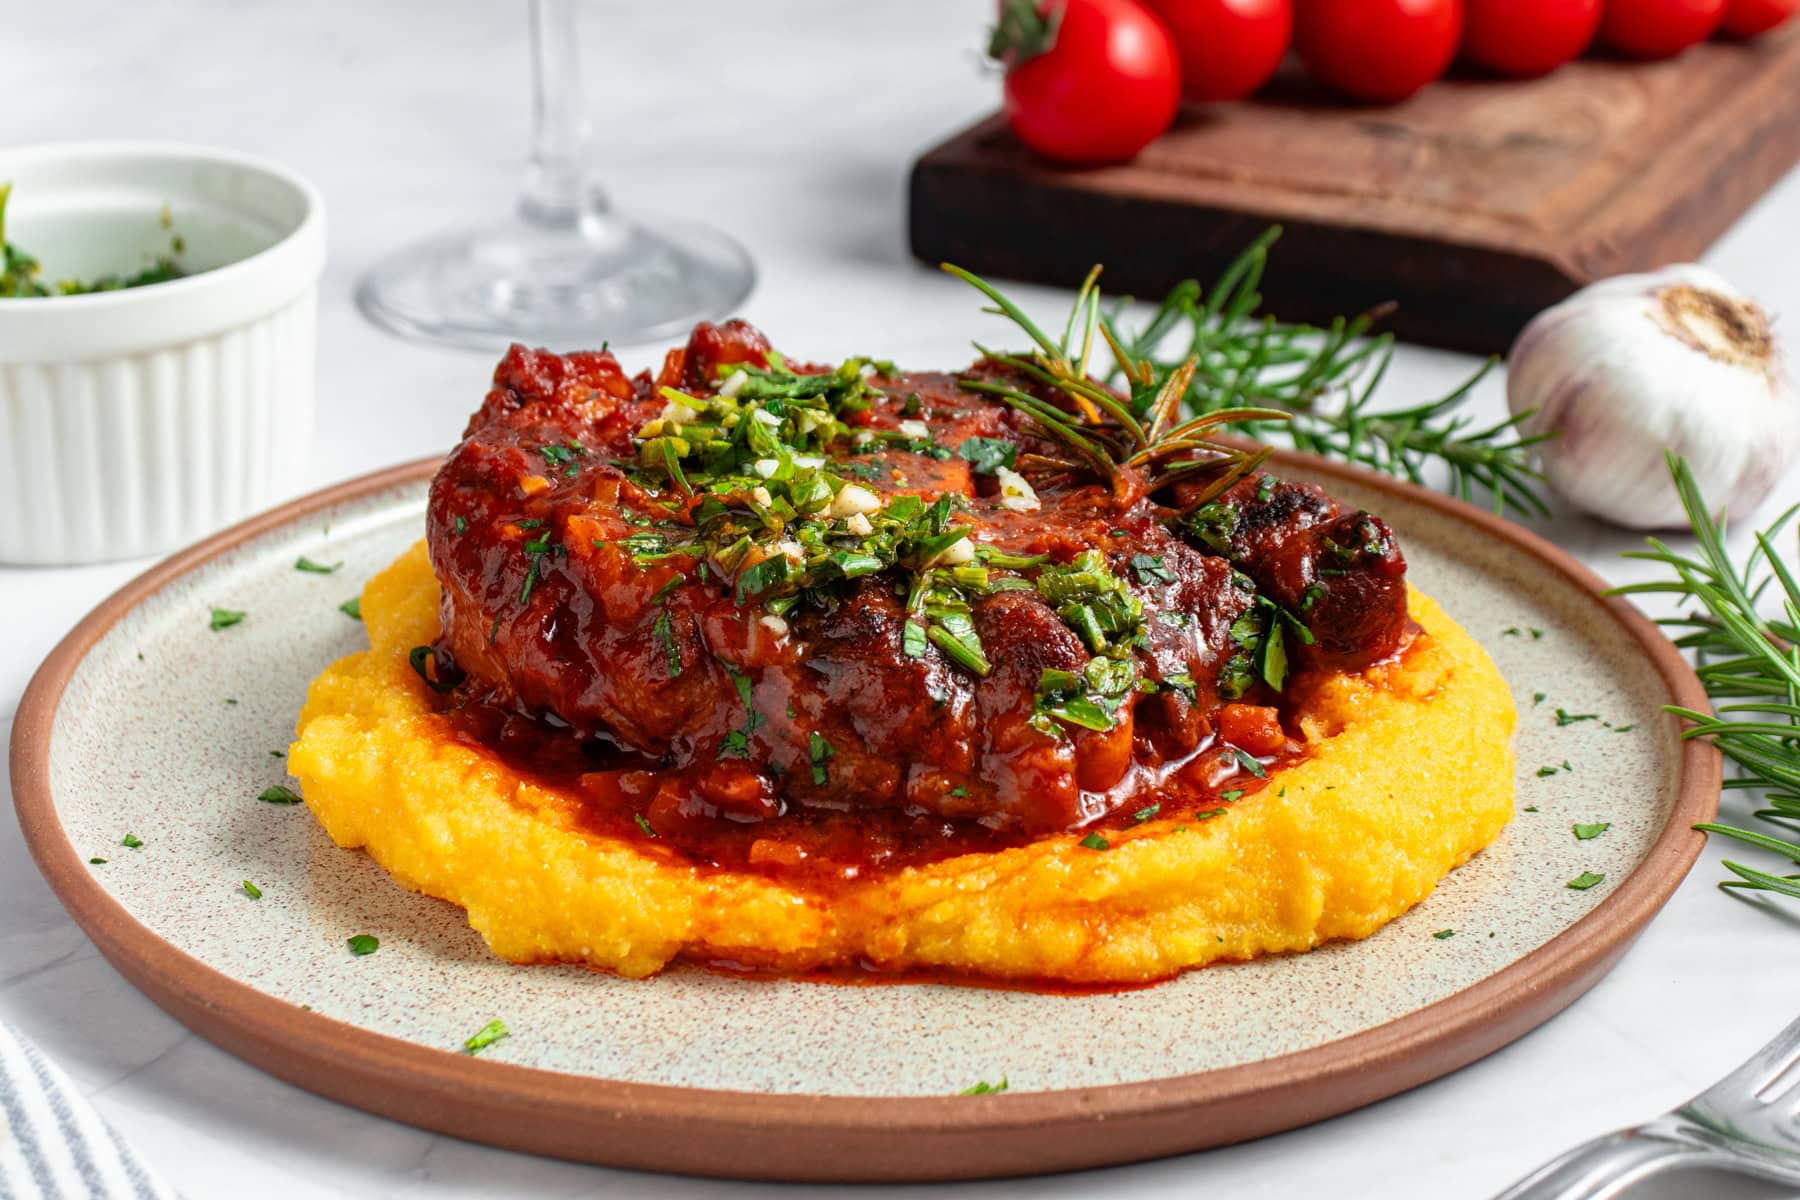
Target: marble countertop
[[804, 115]]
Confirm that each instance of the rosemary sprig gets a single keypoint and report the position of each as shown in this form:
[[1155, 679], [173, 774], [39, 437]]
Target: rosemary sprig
[[1325, 380], [1109, 435], [1742, 656]]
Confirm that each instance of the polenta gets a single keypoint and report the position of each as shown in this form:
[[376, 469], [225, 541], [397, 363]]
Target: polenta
[[1404, 771]]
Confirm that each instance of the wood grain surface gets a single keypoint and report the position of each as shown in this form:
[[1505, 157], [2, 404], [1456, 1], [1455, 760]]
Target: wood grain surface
[[1473, 205]]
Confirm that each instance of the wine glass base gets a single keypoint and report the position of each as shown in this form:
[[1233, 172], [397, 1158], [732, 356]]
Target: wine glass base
[[613, 280]]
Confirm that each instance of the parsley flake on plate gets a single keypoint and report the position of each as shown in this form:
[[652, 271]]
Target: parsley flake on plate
[[486, 1036], [984, 1088], [304, 563], [362, 944], [225, 618], [1585, 880]]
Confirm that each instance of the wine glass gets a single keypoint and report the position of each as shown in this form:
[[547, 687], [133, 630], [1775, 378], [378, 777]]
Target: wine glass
[[568, 270]]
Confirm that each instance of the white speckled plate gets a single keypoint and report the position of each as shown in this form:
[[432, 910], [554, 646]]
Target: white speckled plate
[[149, 723]]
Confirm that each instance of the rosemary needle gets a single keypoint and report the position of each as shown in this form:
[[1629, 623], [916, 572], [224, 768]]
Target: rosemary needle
[[1325, 380], [1745, 657]]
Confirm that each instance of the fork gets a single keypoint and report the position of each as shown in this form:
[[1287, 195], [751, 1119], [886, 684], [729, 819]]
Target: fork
[[1748, 1122]]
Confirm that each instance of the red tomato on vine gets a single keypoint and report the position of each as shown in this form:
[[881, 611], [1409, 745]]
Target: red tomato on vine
[[1228, 48], [1087, 81], [1527, 37], [1382, 50], [1659, 28]]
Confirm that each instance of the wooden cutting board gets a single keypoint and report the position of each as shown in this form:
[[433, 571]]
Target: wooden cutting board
[[1473, 205]]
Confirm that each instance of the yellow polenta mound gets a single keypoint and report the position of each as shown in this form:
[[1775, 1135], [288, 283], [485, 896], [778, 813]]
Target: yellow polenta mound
[[1409, 775]]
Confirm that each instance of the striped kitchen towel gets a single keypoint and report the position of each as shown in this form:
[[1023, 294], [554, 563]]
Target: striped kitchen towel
[[53, 1145]]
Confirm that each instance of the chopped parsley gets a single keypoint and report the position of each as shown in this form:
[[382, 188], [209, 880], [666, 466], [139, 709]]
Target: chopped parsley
[[1444, 934], [362, 944], [251, 890], [986, 456], [1569, 718], [459, 525], [1624, 728], [131, 841], [643, 823], [1210, 813], [304, 563], [98, 862], [352, 608], [1150, 570], [225, 618], [985, 1088], [1094, 841], [913, 640], [1248, 762], [664, 633], [1587, 833], [486, 1036], [1144, 814], [278, 794], [1585, 880], [1537, 698], [1232, 795], [818, 750]]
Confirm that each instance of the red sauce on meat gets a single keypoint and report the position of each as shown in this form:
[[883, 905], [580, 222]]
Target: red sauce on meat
[[1135, 645]]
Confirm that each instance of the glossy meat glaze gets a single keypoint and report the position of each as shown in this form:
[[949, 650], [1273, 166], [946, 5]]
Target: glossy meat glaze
[[765, 611]]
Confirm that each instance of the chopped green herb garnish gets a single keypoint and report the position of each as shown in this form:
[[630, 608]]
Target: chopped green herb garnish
[[1144, 814], [1569, 718], [1441, 934], [1585, 880], [304, 563], [278, 794], [1624, 728], [643, 823], [664, 631], [957, 792], [1232, 795], [1544, 771], [1531, 808], [1094, 841], [985, 1089], [251, 890], [1537, 698], [1210, 813], [1586, 833], [225, 618], [1248, 762], [912, 640], [98, 862], [363, 943], [486, 1036], [818, 750], [459, 525], [986, 456], [131, 841], [1149, 569], [352, 608]]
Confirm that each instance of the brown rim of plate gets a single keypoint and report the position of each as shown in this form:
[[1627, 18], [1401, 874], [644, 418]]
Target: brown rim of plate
[[749, 1135]]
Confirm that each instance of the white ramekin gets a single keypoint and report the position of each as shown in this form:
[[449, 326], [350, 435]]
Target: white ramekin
[[135, 421]]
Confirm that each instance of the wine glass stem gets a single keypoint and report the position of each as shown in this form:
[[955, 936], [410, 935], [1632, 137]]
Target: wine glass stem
[[557, 193]]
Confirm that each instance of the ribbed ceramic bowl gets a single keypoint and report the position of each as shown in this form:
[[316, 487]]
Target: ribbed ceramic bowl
[[135, 421]]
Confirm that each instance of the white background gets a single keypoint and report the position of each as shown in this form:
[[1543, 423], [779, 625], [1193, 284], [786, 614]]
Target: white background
[[791, 124]]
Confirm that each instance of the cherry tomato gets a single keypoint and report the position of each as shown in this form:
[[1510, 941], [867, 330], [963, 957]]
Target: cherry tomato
[[1381, 50], [1228, 48], [1527, 37], [1095, 87], [1749, 18], [1659, 28]]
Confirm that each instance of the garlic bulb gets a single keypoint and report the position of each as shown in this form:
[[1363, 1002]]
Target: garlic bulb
[[1676, 360]]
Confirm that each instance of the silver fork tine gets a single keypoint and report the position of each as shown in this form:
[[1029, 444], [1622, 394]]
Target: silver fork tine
[[1762, 1069], [1733, 1125]]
